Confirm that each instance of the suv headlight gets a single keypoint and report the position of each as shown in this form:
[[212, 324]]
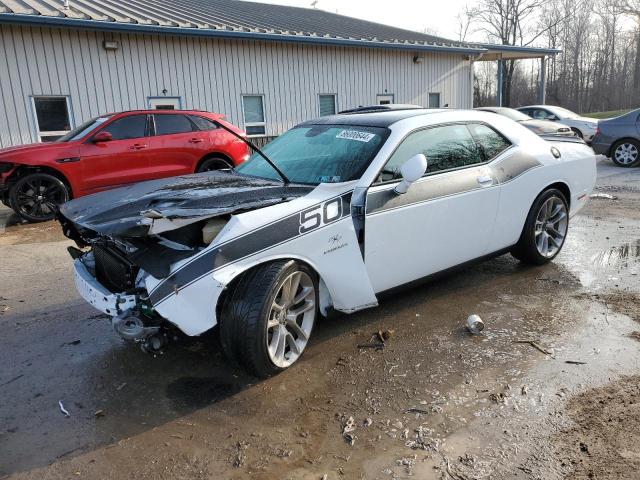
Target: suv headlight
[[5, 166]]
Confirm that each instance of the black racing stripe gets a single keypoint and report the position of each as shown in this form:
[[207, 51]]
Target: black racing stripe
[[236, 249]]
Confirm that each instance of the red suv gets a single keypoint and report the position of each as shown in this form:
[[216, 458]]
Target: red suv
[[113, 150]]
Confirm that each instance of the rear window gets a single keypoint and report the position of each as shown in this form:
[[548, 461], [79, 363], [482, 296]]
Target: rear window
[[491, 142], [203, 123], [172, 124]]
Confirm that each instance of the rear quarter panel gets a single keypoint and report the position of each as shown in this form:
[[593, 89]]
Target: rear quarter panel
[[576, 168]]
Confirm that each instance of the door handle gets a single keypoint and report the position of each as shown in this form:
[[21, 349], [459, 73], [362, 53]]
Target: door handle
[[485, 180], [139, 146], [195, 140]]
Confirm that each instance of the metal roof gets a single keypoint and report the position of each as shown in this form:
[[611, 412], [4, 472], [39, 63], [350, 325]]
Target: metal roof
[[224, 18]]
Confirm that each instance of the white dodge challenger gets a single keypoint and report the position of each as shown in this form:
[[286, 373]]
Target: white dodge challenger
[[330, 214]]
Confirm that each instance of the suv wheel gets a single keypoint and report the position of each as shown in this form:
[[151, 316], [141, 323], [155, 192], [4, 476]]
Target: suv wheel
[[36, 196], [213, 163]]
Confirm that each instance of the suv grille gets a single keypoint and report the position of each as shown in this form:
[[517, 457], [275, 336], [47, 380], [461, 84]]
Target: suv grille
[[113, 270]]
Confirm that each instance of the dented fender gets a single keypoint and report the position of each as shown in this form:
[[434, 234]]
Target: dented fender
[[318, 229]]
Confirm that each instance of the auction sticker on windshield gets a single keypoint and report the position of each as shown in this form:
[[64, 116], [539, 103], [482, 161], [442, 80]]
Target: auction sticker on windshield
[[355, 135]]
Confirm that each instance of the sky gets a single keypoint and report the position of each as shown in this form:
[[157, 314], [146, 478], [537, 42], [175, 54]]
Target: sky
[[437, 17]]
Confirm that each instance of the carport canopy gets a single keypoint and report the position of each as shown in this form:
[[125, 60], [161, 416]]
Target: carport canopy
[[500, 53]]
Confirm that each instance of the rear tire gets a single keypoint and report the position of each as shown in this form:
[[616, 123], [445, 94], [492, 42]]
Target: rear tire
[[545, 229], [37, 196], [213, 163], [626, 153], [267, 318]]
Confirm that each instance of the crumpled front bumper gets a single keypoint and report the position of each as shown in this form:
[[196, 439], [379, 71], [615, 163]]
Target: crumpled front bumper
[[93, 292]]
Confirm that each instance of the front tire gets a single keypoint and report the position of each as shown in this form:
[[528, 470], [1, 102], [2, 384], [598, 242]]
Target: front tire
[[36, 196], [626, 153], [545, 229], [268, 317]]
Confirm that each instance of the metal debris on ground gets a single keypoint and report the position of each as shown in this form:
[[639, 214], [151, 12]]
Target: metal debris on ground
[[535, 345], [121, 386], [62, 409], [99, 413], [605, 196], [524, 390], [475, 324], [575, 362], [498, 397]]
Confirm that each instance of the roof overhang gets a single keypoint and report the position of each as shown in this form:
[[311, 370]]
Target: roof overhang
[[20, 19], [510, 52]]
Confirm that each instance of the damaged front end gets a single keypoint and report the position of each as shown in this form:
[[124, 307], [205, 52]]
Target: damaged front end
[[135, 236]]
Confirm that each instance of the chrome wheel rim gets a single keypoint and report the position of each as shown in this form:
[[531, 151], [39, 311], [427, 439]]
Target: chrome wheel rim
[[626, 153], [551, 227], [291, 319]]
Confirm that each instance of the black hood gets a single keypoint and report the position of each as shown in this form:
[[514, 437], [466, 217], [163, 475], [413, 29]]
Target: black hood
[[127, 211]]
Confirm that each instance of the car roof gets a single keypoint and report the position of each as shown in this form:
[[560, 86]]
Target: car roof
[[162, 112], [372, 119]]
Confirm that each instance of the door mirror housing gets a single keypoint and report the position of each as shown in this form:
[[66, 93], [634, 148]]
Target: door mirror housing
[[412, 170], [102, 137], [553, 118]]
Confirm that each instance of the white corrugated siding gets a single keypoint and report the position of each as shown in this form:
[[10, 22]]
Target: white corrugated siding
[[207, 74]]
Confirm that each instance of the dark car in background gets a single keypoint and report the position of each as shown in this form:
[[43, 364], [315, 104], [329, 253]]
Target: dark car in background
[[539, 127], [619, 139], [114, 150]]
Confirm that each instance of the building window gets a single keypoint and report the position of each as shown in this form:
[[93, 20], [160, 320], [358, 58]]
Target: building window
[[327, 104], [434, 100], [253, 110], [52, 117]]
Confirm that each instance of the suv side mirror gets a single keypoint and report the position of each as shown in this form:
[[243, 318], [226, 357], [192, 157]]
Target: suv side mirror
[[412, 170], [102, 137]]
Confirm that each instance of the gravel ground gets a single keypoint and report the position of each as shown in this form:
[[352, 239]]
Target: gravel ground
[[435, 403]]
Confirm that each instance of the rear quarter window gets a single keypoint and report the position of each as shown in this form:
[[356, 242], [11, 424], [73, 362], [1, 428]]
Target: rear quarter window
[[490, 141]]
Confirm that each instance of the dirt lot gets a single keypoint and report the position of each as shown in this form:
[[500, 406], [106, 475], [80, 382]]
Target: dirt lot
[[435, 403]]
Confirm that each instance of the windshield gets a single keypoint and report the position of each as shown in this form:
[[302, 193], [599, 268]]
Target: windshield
[[513, 114], [562, 112], [79, 132], [318, 154]]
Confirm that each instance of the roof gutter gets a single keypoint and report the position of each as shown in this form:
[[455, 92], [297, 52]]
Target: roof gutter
[[518, 49], [20, 19]]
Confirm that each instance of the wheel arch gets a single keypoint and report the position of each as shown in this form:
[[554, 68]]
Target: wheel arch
[[24, 170], [324, 295], [219, 155], [563, 187]]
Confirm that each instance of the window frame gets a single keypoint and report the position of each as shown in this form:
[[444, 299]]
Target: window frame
[[455, 169], [61, 133], [148, 127], [254, 124], [151, 121], [335, 102]]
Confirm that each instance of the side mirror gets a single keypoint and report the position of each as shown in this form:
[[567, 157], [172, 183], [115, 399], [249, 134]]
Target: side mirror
[[412, 170], [553, 118], [102, 137]]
